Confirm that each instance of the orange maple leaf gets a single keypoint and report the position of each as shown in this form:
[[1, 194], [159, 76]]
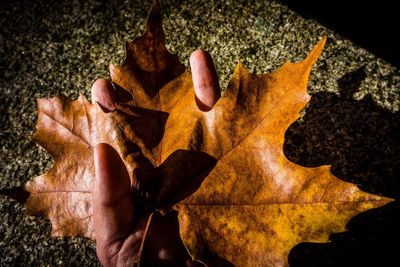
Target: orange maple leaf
[[223, 170]]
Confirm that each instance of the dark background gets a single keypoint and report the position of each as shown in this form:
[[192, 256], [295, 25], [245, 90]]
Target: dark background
[[372, 239], [373, 25]]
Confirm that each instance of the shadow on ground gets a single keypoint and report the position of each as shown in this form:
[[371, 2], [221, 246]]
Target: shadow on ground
[[360, 140]]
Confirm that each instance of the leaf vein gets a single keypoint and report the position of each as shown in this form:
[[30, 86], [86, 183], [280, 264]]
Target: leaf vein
[[69, 130]]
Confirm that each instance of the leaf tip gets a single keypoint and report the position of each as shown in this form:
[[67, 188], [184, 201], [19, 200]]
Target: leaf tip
[[240, 67], [378, 200], [315, 52], [40, 102], [114, 69], [82, 98], [154, 13], [155, 7]]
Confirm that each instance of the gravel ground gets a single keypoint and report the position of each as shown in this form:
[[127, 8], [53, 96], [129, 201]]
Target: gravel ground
[[351, 123]]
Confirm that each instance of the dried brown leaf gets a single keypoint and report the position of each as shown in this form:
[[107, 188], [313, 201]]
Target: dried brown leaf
[[224, 170]]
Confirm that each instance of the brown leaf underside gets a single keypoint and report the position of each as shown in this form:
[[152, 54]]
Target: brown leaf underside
[[251, 205], [67, 130]]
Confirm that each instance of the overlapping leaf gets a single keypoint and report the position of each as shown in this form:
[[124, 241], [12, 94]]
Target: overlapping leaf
[[237, 195]]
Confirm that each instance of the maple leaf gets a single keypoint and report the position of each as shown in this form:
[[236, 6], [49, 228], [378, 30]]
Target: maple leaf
[[224, 170]]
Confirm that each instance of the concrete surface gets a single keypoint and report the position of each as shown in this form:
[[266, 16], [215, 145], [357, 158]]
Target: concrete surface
[[352, 122]]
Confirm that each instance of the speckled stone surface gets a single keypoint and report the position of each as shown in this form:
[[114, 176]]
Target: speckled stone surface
[[351, 123]]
